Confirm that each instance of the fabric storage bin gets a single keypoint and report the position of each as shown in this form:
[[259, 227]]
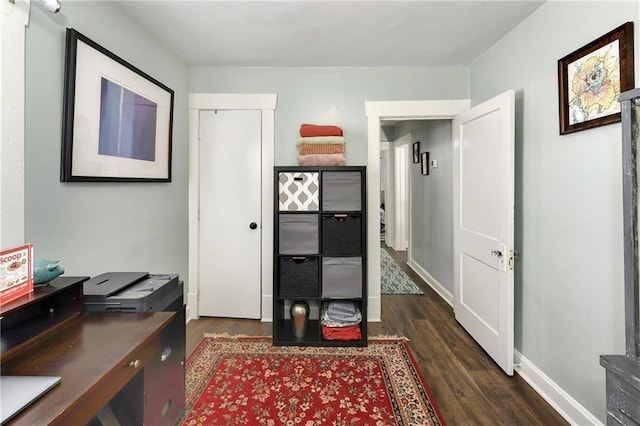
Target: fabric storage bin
[[299, 277], [298, 234], [342, 277], [298, 191], [341, 234], [341, 191]]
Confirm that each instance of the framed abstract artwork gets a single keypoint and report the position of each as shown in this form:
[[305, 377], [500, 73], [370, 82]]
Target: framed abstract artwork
[[117, 120], [416, 152], [591, 79], [424, 163]]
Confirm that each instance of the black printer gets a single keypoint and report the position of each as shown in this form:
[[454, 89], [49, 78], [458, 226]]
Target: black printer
[[133, 292]]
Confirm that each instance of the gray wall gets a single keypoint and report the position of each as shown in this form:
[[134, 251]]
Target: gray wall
[[569, 283], [431, 238], [331, 96], [99, 227]]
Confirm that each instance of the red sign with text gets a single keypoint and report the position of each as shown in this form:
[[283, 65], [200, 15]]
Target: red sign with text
[[16, 272]]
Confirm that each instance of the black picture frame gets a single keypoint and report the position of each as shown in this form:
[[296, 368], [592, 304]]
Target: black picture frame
[[591, 78], [424, 163], [117, 120], [416, 152]]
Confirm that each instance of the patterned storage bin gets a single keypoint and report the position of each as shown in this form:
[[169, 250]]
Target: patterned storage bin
[[341, 191], [298, 234], [298, 277], [298, 191], [342, 277], [342, 234]]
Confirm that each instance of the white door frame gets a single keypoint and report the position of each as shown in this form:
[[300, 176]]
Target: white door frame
[[213, 101], [396, 110]]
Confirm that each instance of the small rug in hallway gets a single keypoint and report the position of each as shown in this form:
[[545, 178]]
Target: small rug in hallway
[[393, 280], [248, 381]]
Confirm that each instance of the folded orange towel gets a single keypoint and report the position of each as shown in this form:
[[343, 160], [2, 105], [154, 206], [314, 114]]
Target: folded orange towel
[[320, 149], [307, 130]]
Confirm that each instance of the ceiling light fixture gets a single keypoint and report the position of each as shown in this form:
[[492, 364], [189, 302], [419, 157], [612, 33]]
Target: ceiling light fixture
[[52, 6]]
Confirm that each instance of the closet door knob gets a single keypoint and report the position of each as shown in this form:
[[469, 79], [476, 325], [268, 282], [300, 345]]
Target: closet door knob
[[253, 225]]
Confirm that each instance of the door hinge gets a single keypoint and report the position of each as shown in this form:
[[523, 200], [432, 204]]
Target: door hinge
[[513, 255]]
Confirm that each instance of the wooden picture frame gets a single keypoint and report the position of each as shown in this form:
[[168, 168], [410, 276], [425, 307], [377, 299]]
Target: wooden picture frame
[[424, 163], [416, 152], [591, 78], [117, 120]]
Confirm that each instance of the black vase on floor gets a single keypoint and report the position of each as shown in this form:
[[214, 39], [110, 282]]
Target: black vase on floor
[[299, 312]]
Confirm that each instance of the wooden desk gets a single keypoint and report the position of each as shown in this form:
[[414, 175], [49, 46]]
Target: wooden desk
[[95, 354]]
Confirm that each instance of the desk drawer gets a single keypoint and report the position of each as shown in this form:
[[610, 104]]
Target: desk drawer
[[623, 401], [127, 381], [134, 363], [164, 380]]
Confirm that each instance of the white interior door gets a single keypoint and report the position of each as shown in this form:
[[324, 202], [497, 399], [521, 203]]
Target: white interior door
[[401, 181], [384, 190], [229, 237], [483, 205]]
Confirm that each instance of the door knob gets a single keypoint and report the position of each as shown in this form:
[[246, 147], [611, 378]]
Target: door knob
[[253, 225], [496, 253]]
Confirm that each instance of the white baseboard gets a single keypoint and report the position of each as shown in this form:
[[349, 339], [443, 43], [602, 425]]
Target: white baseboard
[[192, 300], [432, 282], [561, 401], [570, 409], [267, 308], [374, 309]]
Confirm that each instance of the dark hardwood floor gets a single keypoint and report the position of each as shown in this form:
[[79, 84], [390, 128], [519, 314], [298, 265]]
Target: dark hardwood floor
[[467, 386]]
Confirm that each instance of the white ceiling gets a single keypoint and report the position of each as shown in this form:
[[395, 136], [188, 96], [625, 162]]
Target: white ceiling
[[329, 33]]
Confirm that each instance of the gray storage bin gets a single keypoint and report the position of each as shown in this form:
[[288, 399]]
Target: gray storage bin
[[342, 277], [298, 276], [341, 191], [298, 191], [342, 234], [298, 234]]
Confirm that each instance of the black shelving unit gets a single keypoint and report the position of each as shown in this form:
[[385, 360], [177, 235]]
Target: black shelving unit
[[319, 248]]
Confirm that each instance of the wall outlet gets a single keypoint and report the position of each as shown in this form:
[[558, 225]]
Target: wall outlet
[[434, 164]]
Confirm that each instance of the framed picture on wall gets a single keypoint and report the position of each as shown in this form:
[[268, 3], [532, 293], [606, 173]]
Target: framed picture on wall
[[416, 152], [117, 120], [424, 163], [591, 79]]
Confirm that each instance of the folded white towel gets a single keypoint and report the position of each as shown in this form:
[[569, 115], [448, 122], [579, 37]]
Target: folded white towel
[[334, 140]]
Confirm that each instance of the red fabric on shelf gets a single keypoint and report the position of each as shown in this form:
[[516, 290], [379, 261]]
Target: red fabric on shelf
[[310, 130], [350, 332]]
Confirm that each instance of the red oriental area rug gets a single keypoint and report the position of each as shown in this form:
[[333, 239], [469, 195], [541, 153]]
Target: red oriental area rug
[[248, 381]]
